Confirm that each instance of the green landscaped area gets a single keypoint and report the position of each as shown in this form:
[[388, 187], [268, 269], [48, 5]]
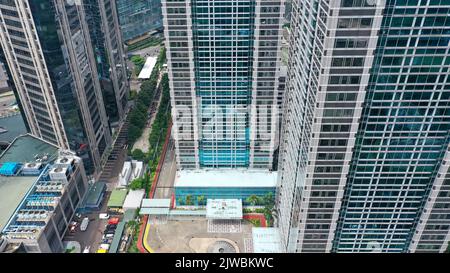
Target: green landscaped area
[[117, 198], [144, 43], [138, 62], [138, 118]]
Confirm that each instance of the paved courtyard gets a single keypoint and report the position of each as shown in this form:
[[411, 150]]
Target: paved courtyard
[[192, 236]]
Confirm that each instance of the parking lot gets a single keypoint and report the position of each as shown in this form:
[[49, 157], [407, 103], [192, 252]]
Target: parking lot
[[92, 236]]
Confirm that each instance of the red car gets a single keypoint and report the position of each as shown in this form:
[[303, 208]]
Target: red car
[[113, 221]]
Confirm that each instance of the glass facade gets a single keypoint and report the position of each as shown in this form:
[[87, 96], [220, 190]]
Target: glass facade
[[58, 65], [223, 38], [364, 162], [107, 44], [224, 70], [403, 134], [138, 17], [54, 75]]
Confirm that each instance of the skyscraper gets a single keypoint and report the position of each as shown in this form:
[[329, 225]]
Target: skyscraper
[[223, 62], [50, 56], [104, 30], [365, 144]]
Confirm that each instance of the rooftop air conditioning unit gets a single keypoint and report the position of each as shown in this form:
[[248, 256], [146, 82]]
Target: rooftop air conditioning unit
[[64, 161], [32, 168], [59, 173]]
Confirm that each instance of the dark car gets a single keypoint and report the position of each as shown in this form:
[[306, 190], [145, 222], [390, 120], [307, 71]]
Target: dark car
[[111, 227], [109, 232]]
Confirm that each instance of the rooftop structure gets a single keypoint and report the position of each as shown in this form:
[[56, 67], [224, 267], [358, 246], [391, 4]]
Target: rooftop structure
[[125, 174], [138, 169], [148, 68], [32, 186], [14, 188], [117, 198], [12, 191], [224, 209], [133, 199], [155, 207], [225, 178], [93, 197]]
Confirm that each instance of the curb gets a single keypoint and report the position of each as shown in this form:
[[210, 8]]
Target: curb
[[143, 231]]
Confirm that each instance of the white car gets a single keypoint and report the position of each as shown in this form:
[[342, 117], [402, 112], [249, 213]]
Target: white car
[[86, 249], [103, 216], [104, 246]]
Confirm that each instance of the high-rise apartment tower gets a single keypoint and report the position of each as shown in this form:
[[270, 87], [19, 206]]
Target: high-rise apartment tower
[[365, 144], [224, 64]]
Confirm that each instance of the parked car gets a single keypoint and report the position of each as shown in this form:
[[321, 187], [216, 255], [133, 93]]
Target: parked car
[[104, 246], [113, 221], [73, 226], [103, 216], [84, 224], [109, 232], [111, 226]]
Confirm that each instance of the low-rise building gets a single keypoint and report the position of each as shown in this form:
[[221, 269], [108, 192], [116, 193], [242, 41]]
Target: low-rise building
[[41, 187], [194, 187]]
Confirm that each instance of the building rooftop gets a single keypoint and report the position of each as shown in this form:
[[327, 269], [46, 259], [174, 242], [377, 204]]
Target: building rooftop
[[29, 188], [155, 203], [134, 199], [224, 209], [14, 188], [225, 178], [12, 126], [26, 147], [148, 68], [117, 198], [12, 191], [93, 197]]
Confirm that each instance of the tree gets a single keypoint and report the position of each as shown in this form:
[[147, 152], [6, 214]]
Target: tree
[[268, 214], [201, 200], [180, 201], [189, 200], [268, 199], [252, 200], [138, 154], [138, 183]]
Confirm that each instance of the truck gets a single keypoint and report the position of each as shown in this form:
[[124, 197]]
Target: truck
[[84, 224]]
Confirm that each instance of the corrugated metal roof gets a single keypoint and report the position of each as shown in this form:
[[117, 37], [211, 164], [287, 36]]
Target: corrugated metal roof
[[155, 203], [226, 178], [117, 237], [154, 211]]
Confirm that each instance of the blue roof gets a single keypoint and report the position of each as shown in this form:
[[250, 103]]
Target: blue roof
[[9, 168]]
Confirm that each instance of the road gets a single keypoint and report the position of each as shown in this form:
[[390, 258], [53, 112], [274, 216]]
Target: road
[[93, 235], [164, 188]]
